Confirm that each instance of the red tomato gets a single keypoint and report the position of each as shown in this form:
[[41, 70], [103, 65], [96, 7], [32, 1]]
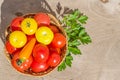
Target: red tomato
[[54, 60], [59, 40], [29, 37], [54, 28], [10, 48], [53, 49], [42, 19], [40, 53], [15, 24], [39, 67], [21, 66]]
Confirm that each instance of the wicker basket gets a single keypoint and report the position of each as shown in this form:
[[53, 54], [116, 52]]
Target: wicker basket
[[53, 21]]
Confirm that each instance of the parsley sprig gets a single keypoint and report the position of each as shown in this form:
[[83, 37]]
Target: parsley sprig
[[76, 36]]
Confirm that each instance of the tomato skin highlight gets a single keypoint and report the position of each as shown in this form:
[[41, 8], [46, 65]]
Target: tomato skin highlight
[[39, 67], [10, 48], [59, 40], [54, 59], [42, 19], [40, 53], [23, 66]]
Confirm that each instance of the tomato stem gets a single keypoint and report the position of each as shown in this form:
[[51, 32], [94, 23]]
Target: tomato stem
[[28, 24], [19, 62]]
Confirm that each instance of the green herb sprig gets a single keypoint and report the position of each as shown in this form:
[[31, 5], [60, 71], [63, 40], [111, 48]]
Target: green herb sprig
[[76, 36]]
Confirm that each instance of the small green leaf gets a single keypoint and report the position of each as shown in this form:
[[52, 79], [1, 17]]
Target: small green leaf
[[76, 28], [71, 17], [82, 32], [74, 50], [83, 19], [76, 13], [85, 39], [62, 66], [68, 23], [69, 57], [68, 62], [74, 43], [74, 33]]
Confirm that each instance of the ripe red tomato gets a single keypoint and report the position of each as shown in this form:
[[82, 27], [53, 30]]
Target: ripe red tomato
[[59, 40], [40, 53], [29, 37], [54, 28], [39, 67], [42, 19], [16, 23], [54, 60], [53, 49], [57, 50], [23, 66], [10, 48]]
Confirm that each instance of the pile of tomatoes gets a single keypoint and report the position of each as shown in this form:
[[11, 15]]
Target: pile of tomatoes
[[34, 43]]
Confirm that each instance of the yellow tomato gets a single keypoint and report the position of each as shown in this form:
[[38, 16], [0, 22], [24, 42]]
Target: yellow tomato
[[44, 35], [17, 39], [29, 26]]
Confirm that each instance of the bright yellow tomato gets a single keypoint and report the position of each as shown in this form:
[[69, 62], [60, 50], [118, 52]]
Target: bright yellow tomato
[[29, 26], [17, 39], [44, 35]]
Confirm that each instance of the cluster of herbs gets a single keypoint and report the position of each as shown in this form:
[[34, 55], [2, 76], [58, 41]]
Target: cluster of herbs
[[76, 36]]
